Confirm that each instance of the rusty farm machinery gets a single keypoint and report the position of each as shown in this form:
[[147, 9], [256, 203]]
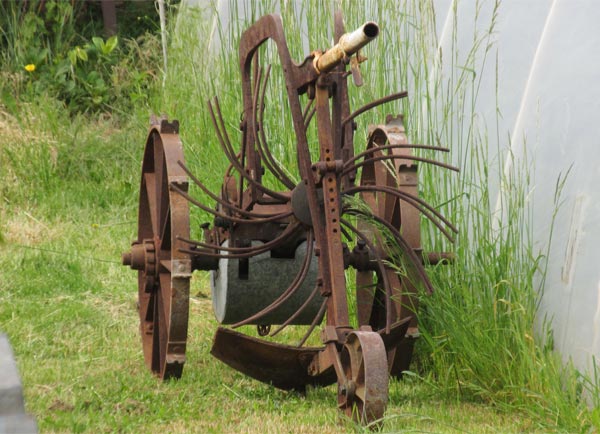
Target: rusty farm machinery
[[280, 257]]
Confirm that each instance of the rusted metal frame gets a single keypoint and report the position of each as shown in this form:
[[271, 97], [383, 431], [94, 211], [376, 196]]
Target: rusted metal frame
[[297, 78], [228, 217], [328, 357], [327, 225], [406, 248], [415, 201], [226, 145], [395, 157], [388, 147], [223, 202], [290, 291], [261, 138], [382, 271], [434, 258], [343, 134], [373, 104]]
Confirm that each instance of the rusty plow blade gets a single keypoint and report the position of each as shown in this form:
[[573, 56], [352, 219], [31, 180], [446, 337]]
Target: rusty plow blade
[[397, 333], [283, 366]]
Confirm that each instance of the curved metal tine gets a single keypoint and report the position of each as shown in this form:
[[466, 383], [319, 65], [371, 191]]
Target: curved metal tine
[[379, 261], [226, 145], [374, 104], [398, 157], [306, 108], [291, 290], [225, 216], [386, 147], [309, 117], [406, 248], [219, 256], [261, 187], [298, 312], [261, 138], [217, 198], [314, 323], [274, 161], [425, 208], [263, 249], [265, 246]]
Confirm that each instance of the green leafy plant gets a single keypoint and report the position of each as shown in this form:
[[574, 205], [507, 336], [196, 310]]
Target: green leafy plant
[[54, 47]]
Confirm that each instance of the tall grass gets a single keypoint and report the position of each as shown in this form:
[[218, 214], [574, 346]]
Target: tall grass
[[478, 336]]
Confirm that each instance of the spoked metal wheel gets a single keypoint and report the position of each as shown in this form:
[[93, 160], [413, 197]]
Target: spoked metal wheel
[[400, 175], [364, 395], [163, 271]]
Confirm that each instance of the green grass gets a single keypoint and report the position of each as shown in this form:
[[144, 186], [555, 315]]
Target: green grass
[[68, 187]]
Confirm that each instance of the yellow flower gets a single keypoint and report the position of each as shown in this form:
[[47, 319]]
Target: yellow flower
[[30, 67]]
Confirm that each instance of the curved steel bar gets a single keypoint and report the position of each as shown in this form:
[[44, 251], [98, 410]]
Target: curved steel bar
[[261, 137], [406, 248], [291, 290], [226, 145], [225, 216], [258, 185], [415, 201], [381, 266], [309, 117], [262, 249], [374, 104], [353, 167], [307, 108], [219, 256], [265, 246], [386, 147], [314, 323], [216, 198], [298, 312]]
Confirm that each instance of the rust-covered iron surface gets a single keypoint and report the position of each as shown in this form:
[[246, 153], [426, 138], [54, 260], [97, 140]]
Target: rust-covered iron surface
[[306, 235]]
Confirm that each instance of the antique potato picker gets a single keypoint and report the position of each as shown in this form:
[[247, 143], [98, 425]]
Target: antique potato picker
[[284, 257]]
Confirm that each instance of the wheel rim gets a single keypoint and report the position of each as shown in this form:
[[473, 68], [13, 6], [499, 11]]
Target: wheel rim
[[163, 280], [370, 289], [364, 394]]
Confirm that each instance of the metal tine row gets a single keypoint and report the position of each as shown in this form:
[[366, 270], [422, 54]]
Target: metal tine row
[[402, 243], [352, 167], [373, 104], [304, 305], [259, 130], [248, 253], [230, 153], [387, 147], [426, 209], [223, 202], [315, 322], [225, 216], [291, 290]]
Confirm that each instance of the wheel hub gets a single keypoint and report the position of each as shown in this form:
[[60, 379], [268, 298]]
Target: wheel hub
[[142, 257]]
